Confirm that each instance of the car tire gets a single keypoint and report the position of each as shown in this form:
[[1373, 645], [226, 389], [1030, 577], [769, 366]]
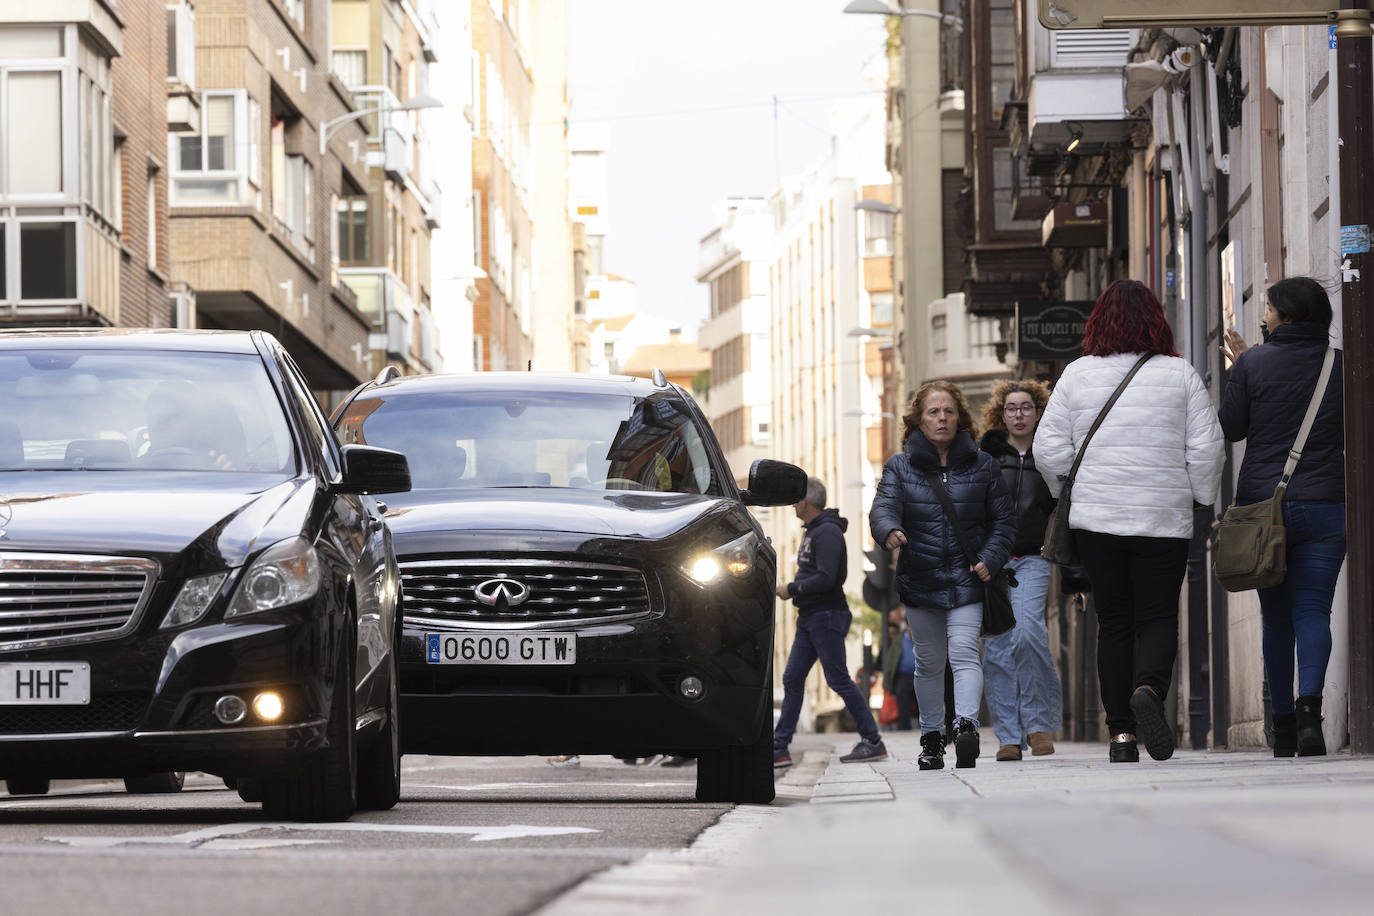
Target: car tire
[[327, 789], [249, 789], [379, 764], [28, 785], [155, 783], [742, 775]]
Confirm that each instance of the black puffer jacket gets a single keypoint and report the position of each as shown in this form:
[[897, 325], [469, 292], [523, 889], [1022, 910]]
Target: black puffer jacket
[[932, 570], [1029, 494], [1266, 397]]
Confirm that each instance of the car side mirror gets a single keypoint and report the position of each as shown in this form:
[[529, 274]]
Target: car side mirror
[[774, 483], [368, 469]]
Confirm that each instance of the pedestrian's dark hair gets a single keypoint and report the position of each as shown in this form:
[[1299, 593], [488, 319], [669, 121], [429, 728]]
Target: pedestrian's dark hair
[[1301, 300], [1127, 318], [911, 420]]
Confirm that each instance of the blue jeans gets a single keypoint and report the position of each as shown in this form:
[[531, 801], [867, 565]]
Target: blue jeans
[[936, 631], [1018, 670], [1298, 610], [820, 635]]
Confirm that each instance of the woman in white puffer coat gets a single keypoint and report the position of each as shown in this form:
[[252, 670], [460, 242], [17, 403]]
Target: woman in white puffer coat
[[1157, 454]]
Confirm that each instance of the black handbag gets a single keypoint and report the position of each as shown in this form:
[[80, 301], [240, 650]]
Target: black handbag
[[998, 616], [1059, 546]]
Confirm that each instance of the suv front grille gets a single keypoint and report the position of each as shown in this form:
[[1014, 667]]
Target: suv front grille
[[54, 599], [516, 592]]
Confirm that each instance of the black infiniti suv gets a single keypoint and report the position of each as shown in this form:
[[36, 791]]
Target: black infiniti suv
[[192, 576], [580, 573]]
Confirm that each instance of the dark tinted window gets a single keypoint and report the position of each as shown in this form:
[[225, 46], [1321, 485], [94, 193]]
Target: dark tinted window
[[537, 439]]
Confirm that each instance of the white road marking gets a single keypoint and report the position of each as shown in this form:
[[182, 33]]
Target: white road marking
[[215, 837]]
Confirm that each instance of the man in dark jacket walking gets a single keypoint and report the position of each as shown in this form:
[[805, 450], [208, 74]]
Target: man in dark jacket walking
[[823, 620]]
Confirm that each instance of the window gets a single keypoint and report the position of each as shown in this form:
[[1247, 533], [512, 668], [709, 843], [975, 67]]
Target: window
[[152, 220], [881, 306], [351, 225], [205, 166], [47, 259], [350, 64], [33, 150], [181, 44], [292, 179]]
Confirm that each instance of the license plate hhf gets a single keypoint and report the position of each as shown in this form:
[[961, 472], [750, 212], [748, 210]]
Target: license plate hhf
[[501, 648], [45, 684]]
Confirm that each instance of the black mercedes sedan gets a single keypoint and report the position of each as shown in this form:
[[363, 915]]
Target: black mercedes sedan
[[193, 574], [580, 572]]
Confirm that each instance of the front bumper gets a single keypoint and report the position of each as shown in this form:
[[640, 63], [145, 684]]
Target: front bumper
[[152, 698]]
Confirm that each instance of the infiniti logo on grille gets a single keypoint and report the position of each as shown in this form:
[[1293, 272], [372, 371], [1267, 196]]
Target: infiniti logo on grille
[[6, 514], [498, 592]]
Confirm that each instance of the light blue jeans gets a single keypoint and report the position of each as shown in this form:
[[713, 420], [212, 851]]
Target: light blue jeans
[[1023, 688], [934, 631]]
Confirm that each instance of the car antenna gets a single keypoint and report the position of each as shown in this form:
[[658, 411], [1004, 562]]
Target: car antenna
[[529, 365], [659, 380], [387, 374]]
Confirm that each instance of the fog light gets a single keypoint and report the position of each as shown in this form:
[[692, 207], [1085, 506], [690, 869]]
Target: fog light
[[230, 709], [268, 706], [691, 687]]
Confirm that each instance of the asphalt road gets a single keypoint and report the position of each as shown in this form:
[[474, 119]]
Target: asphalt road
[[484, 835]]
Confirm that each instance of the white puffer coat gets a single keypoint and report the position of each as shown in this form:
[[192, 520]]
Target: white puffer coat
[[1158, 450]]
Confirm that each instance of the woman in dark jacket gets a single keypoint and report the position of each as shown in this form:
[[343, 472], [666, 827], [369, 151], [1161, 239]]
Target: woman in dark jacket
[[1022, 686], [1266, 398], [941, 589]]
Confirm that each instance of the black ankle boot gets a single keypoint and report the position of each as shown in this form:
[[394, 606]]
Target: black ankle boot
[[932, 751], [1309, 720], [1285, 734], [1123, 749]]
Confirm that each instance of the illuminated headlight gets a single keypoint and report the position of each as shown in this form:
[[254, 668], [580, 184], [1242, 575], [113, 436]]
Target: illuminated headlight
[[735, 558], [193, 600], [285, 573]]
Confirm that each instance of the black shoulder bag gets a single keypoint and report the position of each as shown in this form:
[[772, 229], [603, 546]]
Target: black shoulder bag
[[1059, 545], [998, 617]]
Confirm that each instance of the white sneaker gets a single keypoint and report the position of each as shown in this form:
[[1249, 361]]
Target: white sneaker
[[565, 760], [651, 761]]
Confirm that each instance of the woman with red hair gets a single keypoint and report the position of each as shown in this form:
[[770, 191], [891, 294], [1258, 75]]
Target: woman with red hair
[[1157, 454]]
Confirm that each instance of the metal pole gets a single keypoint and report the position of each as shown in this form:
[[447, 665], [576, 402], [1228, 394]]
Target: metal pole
[[1355, 101]]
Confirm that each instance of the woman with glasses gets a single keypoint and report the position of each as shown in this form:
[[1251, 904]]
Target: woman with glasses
[[1021, 685], [1157, 454], [1266, 398]]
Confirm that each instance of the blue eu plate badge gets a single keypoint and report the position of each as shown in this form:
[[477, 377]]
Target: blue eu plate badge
[[432, 647]]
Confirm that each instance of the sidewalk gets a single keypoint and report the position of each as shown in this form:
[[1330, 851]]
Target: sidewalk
[[1069, 833]]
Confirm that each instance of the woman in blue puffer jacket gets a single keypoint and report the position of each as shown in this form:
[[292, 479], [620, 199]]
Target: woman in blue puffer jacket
[[941, 590]]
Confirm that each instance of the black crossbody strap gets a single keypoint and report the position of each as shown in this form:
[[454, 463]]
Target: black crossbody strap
[[1078, 459], [938, 486]]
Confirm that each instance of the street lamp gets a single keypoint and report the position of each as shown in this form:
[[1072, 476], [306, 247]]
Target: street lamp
[[883, 8], [414, 103]]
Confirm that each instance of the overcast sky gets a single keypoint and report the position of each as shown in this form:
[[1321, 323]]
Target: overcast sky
[[687, 91]]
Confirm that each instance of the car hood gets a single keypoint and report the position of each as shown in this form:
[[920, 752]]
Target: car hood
[[620, 514], [177, 519]]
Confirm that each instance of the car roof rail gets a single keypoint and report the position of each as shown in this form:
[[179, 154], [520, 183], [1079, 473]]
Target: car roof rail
[[660, 381], [387, 374]]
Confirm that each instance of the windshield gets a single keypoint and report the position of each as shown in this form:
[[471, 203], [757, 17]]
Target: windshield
[[82, 409], [521, 439]]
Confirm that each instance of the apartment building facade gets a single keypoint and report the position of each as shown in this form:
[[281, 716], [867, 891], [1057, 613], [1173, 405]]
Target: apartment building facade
[[83, 162], [252, 189], [503, 183], [733, 263], [382, 50]]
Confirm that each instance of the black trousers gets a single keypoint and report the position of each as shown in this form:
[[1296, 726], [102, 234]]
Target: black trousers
[[1136, 583]]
